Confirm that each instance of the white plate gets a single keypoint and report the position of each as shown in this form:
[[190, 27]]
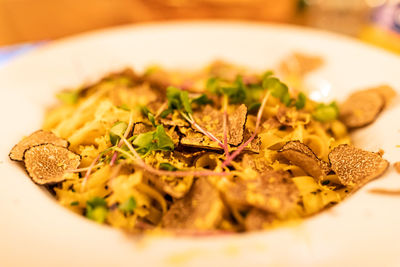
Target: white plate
[[36, 231]]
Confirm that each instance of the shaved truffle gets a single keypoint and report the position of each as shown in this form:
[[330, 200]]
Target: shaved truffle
[[255, 144], [211, 120], [176, 187], [385, 91], [361, 108], [141, 127], [194, 139], [354, 166], [36, 138], [271, 191], [257, 163], [200, 209], [258, 219], [47, 163], [301, 155]]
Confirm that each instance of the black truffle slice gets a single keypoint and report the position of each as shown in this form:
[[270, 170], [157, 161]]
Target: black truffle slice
[[36, 138], [301, 155], [271, 191], [355, 167], [211, 120], [200, 209], [258, 219], [47, 163], [386, 92], [361, 108]]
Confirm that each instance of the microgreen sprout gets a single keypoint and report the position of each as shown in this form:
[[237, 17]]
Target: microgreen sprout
[[117, 132], [301, 101], [167, 166], [156, 140], [96, 209], [135, 157], [179, 100], [128, 206], [326, 112], [146, 112]]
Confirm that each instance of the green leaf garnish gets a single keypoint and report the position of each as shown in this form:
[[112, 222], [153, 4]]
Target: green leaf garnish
[[212, 85], [267, 74], [68, 97], [117, 130], [202, 100], [74, 203], [146, 112], [301, 101], [153, 141], [144, 142], [128, 206], [178, 99], [325, 113], [237, 92], [278, 89], [163, 141], [96, 209], [168, 167], [254, 107], [166, 112]]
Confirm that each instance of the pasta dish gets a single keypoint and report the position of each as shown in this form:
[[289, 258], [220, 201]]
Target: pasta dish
[[218, 150]]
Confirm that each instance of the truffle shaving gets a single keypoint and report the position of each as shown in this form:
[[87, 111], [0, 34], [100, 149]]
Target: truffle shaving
[[200, 209], [385, 91], [355, 167], [361, 108], [36, 138], [212, 120], [258, 219], [47, 163], [272, 191], [301, 155]]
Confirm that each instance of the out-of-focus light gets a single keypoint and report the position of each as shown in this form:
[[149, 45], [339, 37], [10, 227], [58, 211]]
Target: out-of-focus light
[[320, 89]]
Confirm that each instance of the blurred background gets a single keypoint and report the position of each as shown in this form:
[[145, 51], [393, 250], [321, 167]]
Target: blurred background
[[30, 21]]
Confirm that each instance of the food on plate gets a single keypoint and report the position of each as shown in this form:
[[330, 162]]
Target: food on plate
[[354, 166], [49, 164], [302, 156], [37, 138], [223, 149]]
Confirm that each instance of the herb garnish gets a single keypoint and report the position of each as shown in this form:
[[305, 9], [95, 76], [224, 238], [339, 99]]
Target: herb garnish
[[128, 206], [278, 89], [301, 101], [96, 209], [74, 203], [146, 112], [201, 100], [116, 131], [153, 141], [326, 112], [167, 166]]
